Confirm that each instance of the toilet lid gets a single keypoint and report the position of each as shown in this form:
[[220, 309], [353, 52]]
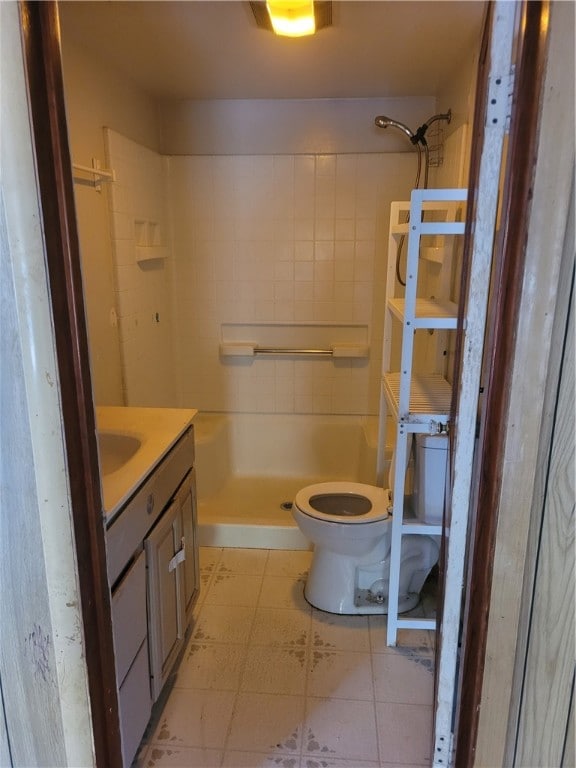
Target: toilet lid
[[347, 503]]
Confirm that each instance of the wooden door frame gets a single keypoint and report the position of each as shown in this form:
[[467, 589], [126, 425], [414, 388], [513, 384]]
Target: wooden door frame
[[42, 55], [502, 325]]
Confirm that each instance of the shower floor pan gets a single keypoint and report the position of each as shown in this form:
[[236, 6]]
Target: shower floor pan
[[250, 512]]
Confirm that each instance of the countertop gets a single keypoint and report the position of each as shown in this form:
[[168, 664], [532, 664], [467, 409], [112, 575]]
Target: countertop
[[157, 429]]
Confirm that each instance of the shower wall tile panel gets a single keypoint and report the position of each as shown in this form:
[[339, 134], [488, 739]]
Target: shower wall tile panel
[[143, 290], [280, 238]]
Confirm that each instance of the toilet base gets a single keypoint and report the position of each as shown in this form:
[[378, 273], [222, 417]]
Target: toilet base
[[359, 585]]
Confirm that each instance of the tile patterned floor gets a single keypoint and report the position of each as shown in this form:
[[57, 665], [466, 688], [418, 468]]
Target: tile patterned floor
[[266, 680]]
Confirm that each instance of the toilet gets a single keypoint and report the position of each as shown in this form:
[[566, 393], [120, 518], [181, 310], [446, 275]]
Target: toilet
[[350, 525]]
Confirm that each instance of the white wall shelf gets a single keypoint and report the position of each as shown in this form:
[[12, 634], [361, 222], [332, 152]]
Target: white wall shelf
[[428, 313]]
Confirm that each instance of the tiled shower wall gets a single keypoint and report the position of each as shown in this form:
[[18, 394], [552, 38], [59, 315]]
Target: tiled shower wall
[[285, 238], [143, 278]]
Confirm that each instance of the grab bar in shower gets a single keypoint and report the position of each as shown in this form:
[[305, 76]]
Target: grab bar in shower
[[245, 349]]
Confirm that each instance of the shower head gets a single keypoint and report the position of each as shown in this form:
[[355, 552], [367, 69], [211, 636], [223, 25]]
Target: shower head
[[386, 122]]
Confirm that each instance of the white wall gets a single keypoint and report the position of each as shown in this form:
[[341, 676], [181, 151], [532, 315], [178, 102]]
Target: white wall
[[96, 96], [287, 126], [287, 238]]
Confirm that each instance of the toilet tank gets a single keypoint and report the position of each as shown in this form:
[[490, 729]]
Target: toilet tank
[[430, 477]]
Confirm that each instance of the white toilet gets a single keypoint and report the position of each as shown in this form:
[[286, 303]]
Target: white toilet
[[350, 526]]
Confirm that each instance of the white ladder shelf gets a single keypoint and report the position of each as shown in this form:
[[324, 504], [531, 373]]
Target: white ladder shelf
[[418, 403]]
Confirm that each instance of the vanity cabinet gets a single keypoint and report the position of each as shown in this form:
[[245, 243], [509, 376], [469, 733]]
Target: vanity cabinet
[[153, 570], [172, 582]]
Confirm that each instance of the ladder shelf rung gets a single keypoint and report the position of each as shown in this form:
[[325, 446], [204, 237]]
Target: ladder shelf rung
[[421, 529], [416, 623]]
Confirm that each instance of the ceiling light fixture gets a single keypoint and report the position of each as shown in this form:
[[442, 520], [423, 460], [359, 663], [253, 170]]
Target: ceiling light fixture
[[293, 18]]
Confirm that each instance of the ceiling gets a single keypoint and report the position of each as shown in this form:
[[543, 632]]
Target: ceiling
[[212, 49]]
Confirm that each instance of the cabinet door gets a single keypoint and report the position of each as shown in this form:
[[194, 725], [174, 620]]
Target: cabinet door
[[165, 595], [186, 500]]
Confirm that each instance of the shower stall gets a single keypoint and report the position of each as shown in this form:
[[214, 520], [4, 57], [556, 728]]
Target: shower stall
[[294, 244]]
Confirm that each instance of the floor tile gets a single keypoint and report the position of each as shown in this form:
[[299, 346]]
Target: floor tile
[[267, 723], [295, 563], [308, 761], [418, 639], [260, 760], [233, 589], [340, 675], [281, 627], [342, 633], [209, 665], [404, 677], [246, 561], [340, 728], [283, 592], [275, 670], [193, 718], [208, 557], [224, 624], [405, 733], [180, 757]]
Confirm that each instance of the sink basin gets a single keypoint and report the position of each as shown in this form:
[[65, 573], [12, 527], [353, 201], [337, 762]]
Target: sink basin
[[115, 450]]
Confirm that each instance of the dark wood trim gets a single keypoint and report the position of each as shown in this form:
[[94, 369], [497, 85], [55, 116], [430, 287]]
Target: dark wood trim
[[41, 41], [506, 294]]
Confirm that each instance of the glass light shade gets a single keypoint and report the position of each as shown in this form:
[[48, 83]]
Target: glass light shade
[[292, 18]]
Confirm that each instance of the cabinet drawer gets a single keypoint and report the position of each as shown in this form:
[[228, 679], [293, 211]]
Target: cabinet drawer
[[129, 616], [135, 705]]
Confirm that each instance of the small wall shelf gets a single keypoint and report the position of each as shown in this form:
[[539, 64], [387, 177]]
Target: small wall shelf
[[148, 238]]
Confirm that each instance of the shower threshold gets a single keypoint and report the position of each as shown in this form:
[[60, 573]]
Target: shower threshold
[[252, 512]]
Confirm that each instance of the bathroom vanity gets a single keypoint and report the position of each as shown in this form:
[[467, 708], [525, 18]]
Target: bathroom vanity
[[148, 484]]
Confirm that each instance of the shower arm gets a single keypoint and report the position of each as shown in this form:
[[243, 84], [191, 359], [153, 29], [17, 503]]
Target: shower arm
[[419, 137]]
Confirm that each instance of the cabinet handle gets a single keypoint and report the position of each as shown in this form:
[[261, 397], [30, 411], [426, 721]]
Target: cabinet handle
[[178, 558], [150, 503]]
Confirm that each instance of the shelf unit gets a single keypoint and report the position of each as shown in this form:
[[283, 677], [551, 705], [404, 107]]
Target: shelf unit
[[417, 402]]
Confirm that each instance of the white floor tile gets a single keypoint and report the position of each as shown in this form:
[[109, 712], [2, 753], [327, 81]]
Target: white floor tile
[[224, 624], [208, 557], [340, 675], [275, 670], [260, 760], [340, 633], [283, 592], [267, 723], [180, 757], [295, 563], [308, 761], [405, 733], [245, 561], [404, 677], [340, 728], [233, 589], [281, 627], [193, 718], [209, 665]]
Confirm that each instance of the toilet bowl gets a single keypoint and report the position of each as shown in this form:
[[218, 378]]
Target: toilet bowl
[[350, 525]]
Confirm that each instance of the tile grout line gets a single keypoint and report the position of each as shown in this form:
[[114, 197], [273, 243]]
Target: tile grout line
[[246, 645]]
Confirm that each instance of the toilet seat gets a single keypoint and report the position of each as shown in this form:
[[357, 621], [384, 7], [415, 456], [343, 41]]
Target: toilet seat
[[377, 497]]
